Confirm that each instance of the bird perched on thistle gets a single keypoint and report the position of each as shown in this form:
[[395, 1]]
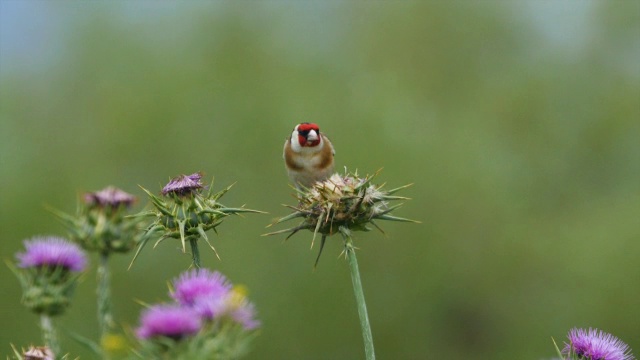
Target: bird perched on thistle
[[308, 155]]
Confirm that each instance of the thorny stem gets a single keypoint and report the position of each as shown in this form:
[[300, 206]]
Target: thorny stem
[[357, 289], [105, 316], [49, 334], [195, 253]]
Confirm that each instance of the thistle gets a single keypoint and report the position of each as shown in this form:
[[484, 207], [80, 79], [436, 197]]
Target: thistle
[[209, 319], [214, 298], [101, 225], [48, 271], [34, 353], [342, 204], [595, 344], [186, 212]]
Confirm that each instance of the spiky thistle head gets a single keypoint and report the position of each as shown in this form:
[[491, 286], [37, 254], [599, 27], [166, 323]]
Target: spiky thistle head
[[186, 211], [341, 204], [101, 223], [48, 271], [35, 353], [594, 344]]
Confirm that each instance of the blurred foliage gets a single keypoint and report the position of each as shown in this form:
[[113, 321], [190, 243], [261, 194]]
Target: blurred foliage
[[524, 151]]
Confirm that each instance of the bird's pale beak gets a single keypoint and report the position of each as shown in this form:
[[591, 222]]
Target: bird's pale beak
[[312, 136]]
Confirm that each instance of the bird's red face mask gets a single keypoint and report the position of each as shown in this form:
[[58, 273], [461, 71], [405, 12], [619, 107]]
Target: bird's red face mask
[[308, 134]]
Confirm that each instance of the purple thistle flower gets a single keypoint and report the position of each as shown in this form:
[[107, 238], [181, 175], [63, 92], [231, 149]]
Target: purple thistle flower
[[109, 196], [195, 286], [168, 320], [596, 345], [211, 295], [183, 184], [52, 251]]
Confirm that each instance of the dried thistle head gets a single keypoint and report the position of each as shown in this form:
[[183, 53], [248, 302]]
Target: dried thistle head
[[38, 353], [186, 211], [341, 204]]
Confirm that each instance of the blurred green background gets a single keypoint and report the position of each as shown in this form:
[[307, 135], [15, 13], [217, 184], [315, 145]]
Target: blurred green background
[[518, 122]]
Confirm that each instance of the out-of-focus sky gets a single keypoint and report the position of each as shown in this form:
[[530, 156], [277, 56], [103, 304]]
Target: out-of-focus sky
[[33, 33]]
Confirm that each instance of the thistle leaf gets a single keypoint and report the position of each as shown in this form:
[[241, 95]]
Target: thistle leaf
[[393, 191], [240, 210], [181, 225], [322, 241], [204, 236], [396, 218], [87, 343]]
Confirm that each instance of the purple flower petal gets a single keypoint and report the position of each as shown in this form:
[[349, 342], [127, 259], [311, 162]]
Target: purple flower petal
[[168, 320], [52, 251], [210, 295], [198, 285], [211, 308], [245, 315], [109, 196], [183, 184], [596, 345]]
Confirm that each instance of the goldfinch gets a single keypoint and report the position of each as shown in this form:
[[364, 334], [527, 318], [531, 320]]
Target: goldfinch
[[308, 155]]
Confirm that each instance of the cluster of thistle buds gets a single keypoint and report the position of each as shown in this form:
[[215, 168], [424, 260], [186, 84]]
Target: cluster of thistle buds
[[101, 224], [186, 210], [341, 204]]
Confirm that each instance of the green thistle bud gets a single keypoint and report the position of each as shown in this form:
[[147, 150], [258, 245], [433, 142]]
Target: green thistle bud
[[186, 212], [47, 293], [341, 204], [101, 224]]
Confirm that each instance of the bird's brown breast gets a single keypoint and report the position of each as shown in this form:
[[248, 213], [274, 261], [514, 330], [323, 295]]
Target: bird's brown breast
[[326, 157]]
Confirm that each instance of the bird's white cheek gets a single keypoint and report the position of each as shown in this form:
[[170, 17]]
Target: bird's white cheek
[[295, 142]]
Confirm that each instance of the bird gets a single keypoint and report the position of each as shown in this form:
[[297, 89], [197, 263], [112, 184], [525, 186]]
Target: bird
[[308, 155]]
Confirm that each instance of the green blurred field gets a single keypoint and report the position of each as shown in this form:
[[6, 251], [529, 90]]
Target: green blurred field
[[518, 124]]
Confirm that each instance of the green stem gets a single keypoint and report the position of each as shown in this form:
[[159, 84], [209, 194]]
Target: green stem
[[105, 316], [195, 253], [357, 289], [49, 334]]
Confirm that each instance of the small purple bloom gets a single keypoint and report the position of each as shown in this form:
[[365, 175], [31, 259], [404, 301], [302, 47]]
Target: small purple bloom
[[168, 320], [245, 315], [596, 345], [183, 184], [52, 251], [109, 196], [200, 285]]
